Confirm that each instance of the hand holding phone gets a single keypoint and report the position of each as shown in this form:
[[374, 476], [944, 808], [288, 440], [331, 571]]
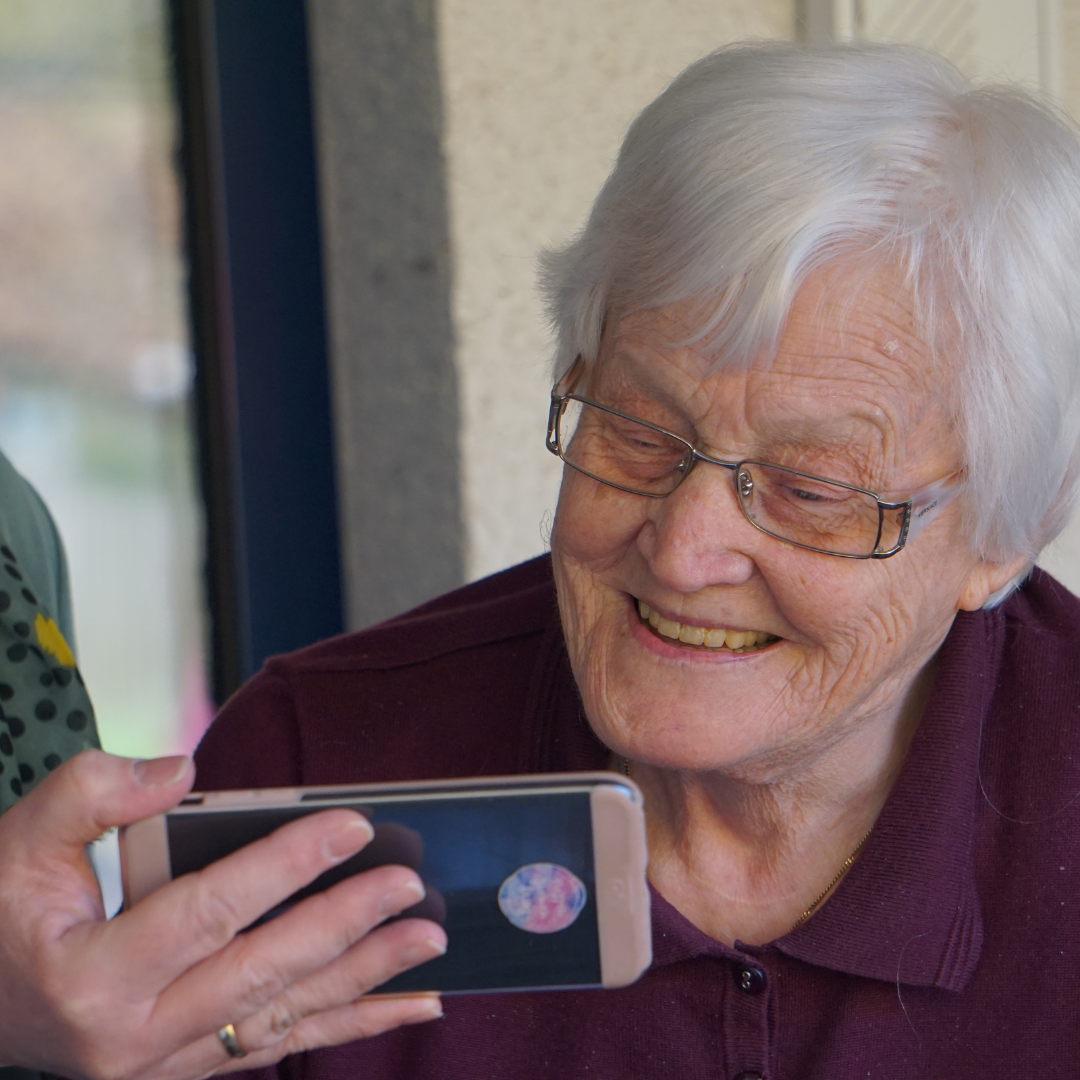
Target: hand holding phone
[[143, 995]]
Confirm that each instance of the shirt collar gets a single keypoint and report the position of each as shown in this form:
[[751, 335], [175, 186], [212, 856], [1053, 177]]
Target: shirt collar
[[908, 910]]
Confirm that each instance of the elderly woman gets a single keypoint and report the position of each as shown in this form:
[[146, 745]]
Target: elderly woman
[[819, 402]]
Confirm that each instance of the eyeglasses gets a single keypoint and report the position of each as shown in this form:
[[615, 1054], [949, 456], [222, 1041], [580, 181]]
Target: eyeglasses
[[808, 511]]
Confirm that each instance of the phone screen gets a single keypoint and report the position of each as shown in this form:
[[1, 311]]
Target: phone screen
[[514, 874]]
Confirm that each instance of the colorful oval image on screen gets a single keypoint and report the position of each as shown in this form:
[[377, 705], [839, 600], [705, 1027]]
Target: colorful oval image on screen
[[542, 897]]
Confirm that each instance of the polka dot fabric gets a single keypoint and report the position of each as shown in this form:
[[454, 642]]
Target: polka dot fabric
[[45, 711]]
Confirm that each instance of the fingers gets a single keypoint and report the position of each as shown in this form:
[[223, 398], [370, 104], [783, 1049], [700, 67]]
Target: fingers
[[357, 1020], [369, 964], [262, 965], [326, 1008], [43, 836], [193, 917], [91, 793]]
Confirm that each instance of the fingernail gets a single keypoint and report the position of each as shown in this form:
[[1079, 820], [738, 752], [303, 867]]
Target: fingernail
[[427, 949], [157, 772], [347, 839], [431, 1009], [400, 897]]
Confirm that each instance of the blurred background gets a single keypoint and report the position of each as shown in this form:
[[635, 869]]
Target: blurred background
[[270, 343], [95, 362]]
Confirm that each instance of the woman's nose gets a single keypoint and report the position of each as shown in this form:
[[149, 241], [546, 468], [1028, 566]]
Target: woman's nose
[[698, 536]]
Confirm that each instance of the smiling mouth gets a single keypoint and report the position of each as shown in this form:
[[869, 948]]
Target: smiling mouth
[[708, 637]]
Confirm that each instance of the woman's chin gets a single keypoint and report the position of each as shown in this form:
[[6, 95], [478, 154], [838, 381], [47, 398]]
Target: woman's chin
[[676, 705], [672, 723], [690, 752]]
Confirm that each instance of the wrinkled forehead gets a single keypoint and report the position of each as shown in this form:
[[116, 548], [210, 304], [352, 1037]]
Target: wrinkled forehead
[[854, 345], [850, 340], [850, 367]]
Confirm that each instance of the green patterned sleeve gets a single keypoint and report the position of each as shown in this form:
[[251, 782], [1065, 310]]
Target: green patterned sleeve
[[45, 712]]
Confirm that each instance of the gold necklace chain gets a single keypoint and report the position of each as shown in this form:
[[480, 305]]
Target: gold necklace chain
[[624, 768], [832, 884]]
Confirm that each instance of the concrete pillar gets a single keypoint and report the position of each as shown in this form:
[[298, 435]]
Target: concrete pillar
[[379, 121]]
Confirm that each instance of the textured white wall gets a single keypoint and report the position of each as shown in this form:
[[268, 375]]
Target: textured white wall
[[537, 98]]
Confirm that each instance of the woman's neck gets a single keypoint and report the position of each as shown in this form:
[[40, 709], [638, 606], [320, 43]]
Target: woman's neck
[[744, 855]]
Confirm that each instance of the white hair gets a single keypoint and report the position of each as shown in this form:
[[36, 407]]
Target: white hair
[[762, 162]]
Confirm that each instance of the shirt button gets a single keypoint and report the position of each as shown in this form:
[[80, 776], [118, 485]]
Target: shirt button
[[752, 981]]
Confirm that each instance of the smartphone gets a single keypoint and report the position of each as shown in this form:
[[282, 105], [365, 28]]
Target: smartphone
[[538, 880]]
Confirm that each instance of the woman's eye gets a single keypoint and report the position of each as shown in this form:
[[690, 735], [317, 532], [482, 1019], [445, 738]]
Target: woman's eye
[[808, 496], [644, 442], [823, 496], [640, 438]]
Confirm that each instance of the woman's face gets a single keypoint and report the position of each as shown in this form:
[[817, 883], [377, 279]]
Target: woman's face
[[851, 395]]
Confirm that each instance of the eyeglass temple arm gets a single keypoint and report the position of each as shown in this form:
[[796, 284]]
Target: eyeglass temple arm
[[927, 503], [568, 379], [552, 440], [564, 386]]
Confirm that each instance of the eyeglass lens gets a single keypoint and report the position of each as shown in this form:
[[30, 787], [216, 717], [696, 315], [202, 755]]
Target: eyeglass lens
[[801, 509]]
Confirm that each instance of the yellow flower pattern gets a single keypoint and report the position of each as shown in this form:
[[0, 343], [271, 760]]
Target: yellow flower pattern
[[52, 640]]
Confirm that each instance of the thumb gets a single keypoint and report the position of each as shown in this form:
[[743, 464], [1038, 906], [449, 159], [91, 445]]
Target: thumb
[[93, 792]]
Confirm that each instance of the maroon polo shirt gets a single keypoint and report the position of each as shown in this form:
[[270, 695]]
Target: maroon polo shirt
[[951, 949]]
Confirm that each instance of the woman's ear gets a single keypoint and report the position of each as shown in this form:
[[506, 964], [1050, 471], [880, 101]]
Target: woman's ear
[[986, 578]]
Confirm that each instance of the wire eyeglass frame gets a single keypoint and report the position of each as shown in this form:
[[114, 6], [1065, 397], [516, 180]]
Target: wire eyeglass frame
[[919, 509]]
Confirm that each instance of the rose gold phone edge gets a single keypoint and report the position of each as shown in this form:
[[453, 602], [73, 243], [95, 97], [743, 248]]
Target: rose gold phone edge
[[619, 850]]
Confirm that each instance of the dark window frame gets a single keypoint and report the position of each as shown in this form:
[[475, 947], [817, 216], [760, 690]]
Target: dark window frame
[[262, 388]]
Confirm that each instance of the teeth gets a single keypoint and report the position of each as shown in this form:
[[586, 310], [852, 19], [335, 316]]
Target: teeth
[[710, 637]]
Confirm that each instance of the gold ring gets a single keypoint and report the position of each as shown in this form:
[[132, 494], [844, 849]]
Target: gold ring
[[228, 1038]]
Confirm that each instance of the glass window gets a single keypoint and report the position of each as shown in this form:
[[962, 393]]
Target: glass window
[[95, 365]]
